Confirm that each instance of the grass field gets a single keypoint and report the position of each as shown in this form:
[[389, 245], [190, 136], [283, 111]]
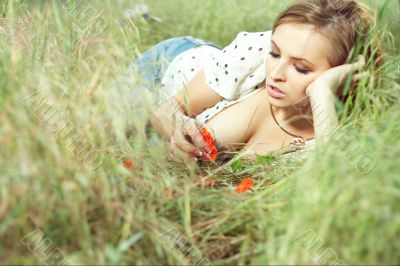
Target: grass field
[[66, 197]]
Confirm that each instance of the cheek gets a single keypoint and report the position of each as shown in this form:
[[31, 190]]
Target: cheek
[[267, 68], [297, 82]]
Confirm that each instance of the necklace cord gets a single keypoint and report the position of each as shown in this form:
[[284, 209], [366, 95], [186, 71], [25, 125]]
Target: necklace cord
[[273, 116]]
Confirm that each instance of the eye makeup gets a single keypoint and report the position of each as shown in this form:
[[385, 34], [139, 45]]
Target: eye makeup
[[298, 69]]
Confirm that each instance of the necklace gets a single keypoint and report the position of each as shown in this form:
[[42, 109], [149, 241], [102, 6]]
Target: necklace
[[298, 141]]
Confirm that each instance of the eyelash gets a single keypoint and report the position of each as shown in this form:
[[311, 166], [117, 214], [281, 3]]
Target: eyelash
[[302, 71]]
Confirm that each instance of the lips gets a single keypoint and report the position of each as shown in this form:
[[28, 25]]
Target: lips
[[275, 88], [275, 92]]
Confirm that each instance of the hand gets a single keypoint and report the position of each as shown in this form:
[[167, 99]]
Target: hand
[[186, 141], [334, 77]]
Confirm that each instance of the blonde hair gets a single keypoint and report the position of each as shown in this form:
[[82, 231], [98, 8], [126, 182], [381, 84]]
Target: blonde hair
[[343, 22]]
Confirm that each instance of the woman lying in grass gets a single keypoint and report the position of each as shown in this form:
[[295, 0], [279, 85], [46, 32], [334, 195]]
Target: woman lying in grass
[[266, 91]]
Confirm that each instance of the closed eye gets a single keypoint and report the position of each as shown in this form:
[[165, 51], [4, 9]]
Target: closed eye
[[274, 55], [300, 70]]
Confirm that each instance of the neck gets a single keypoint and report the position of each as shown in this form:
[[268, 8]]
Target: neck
[[294, 117]]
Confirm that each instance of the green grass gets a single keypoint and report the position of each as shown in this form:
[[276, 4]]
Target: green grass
[[110, 215]]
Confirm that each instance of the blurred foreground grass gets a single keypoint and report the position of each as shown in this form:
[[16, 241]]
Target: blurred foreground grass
[[63, 138]]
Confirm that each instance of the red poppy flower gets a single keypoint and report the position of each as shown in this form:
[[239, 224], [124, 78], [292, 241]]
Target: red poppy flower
[[129, 164], [245, 185], [212, 156]]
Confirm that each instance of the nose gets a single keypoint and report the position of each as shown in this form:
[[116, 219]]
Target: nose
[[278, 72]]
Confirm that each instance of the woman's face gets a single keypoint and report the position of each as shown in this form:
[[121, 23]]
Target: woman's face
[[298, 55]]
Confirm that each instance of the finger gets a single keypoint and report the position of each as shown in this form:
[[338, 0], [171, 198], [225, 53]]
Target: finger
[[181, 157], [184, 157], [193, 130], [359, 64], [361, 61], [172, 157], [191, 135], [173, 154], [361, 75], [180, 143], [347, 69]]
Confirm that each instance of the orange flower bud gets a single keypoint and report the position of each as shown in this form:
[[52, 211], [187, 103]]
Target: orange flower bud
[[129, 164], [245, 185], [208, 138]]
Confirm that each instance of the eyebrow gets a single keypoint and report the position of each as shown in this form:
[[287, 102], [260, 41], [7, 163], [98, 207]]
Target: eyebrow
[[295, 58]]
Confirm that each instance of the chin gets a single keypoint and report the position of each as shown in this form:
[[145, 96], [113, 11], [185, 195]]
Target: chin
[[277, 102]]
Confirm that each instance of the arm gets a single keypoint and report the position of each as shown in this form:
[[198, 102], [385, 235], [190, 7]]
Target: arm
[[173, 118], [324, 113], [189, 101], [322, 92], [197, 96]]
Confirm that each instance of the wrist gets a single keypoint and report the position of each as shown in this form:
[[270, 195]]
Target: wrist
[[178, 119], [319, 90], [165, 118]]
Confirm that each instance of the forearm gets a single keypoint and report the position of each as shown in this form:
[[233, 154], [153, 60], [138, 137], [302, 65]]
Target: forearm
[[324, 112]]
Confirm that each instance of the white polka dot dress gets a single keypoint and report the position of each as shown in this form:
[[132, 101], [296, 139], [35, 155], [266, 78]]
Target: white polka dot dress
[[183, 68], [240, 66], [234, 72], [212, 111]]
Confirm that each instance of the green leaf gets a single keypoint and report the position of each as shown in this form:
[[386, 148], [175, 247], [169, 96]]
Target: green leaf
[[265, 159], [237, 165]]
